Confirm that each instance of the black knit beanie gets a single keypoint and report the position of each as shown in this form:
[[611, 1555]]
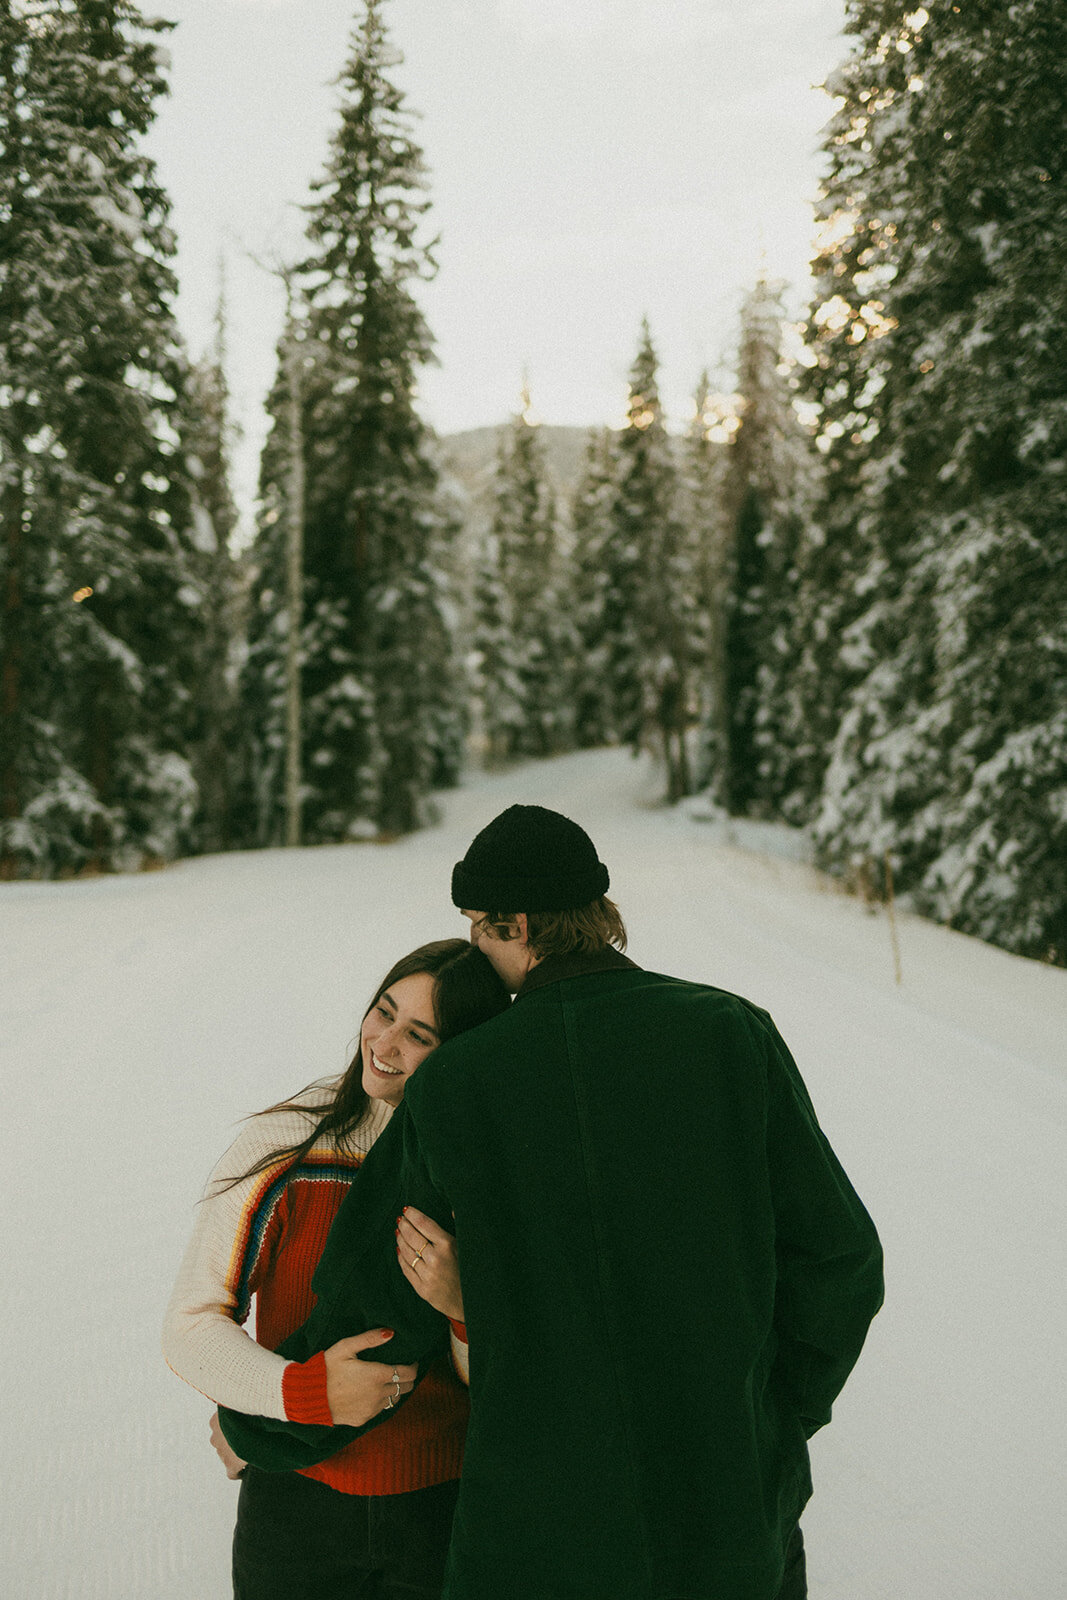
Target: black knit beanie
[[529, 859]]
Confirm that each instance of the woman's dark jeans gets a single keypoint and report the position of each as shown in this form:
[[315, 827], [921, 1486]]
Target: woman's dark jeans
[[298, 1539]]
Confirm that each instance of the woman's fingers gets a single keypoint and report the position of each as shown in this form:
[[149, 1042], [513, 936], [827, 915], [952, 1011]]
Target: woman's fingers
[[345, 1349], [357, 1390], [233, 1463], [427, 1256], [421, 1223], [412, 1238]]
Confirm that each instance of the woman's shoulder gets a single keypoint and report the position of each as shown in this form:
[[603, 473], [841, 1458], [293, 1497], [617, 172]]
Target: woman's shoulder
[[292, 1119], [311, 1102], [278, 1129], [275, 1129], [314, 1098]]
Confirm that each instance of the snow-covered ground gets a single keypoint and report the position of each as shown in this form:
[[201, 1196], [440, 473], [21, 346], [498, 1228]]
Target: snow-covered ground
[[140, 1017]]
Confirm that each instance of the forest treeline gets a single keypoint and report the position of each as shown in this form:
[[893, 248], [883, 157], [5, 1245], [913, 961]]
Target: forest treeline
[[836, 597]]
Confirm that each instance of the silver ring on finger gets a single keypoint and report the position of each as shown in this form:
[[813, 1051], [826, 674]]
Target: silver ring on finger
[[396, 1396]]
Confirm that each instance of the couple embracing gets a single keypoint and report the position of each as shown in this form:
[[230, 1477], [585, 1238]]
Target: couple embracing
[[551, 1291]]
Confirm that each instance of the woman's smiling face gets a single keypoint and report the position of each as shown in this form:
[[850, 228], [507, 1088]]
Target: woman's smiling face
[[398, 1034]]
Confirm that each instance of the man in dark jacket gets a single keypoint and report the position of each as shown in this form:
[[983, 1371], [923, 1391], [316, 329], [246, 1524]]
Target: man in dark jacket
[[667, 1276]]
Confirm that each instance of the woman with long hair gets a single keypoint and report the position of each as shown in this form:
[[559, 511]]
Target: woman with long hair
[[374, 1519]]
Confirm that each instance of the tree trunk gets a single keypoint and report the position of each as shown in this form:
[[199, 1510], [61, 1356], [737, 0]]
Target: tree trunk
[[12, 518], [295, 594]]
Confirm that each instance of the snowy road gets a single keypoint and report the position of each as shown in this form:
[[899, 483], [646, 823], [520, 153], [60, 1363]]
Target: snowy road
[[140, 1017]]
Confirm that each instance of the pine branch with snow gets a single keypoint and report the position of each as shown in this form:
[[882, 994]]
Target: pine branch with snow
[[98, 632]]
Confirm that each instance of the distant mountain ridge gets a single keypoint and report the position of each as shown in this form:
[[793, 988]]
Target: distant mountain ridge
[[470, 459]]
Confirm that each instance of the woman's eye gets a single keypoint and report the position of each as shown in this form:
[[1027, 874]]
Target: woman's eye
[[383, 1013], [417, 1040]]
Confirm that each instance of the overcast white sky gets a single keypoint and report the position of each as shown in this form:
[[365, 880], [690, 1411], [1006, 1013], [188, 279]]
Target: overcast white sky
[[592, 162]]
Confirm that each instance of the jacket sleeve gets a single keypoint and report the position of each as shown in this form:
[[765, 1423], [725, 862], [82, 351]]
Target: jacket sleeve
[[829, 1260], [359, 1286]]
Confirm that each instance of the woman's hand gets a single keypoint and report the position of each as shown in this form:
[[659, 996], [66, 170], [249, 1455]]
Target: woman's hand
[[427, 1256], [357, 1390], [233, 1464]]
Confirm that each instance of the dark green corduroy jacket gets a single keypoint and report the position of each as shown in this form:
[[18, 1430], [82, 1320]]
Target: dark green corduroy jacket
[[667, 1278]]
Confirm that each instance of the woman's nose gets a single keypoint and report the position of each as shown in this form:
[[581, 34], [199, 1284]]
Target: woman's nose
[[387, 1040]]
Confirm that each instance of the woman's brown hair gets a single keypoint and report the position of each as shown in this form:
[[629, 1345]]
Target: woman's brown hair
[[466, 992]]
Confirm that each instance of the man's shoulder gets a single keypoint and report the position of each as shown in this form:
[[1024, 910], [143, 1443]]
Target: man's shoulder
[[449, 1071], [628, 999], [667, 987], [469, 1045], [624, 995]]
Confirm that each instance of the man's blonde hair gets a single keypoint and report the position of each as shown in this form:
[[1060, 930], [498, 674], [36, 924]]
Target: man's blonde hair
[[559, 933]]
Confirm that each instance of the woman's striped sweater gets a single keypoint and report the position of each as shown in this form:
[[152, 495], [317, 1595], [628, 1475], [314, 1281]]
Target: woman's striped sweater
[[261, 1239]]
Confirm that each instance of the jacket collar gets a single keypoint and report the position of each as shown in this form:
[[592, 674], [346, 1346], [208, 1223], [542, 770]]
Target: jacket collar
[[578, 964]]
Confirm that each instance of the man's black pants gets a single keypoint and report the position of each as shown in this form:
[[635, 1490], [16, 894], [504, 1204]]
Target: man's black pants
[[298, 1539], [795, 1579]]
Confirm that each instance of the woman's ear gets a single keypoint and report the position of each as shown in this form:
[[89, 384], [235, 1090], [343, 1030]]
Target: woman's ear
[[522, 931]]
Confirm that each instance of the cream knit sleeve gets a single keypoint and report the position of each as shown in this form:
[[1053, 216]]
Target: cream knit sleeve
[[461, 1360], [203, 1341]]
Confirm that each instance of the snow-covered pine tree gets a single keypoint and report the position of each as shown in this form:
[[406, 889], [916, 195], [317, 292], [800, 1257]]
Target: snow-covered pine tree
[[219, 577], [766, 494], [952, 750], [527, 697], [591, 520], [259, 807], [848, 335], [100, 627], [383, 705], [497, 681], [704, 463], [448, 693], [651, 608]]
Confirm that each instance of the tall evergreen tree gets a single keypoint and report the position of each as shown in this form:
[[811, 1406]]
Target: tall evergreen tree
[[704, 477], [766, 497], [259, 812], [525, 627], [382, 698], [497, 678], [591, 522], [947, 442], [218, 576], [651, 613], [99, 629], [849, 334]]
